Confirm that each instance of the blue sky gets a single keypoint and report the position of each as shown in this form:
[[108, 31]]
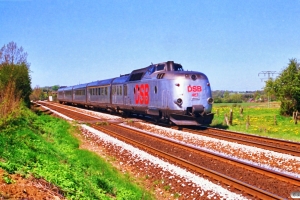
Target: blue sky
[[231, 41]]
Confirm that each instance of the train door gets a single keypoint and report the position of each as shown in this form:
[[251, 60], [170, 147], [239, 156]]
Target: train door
[[154, 91], [165, 97], [88, 95], [125, 97], [114, 94]]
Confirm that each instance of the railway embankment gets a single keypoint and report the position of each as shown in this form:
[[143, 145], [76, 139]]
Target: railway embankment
[[41, 157]]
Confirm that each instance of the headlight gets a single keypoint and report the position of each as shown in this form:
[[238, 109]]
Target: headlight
[[210, 100], [179, 101], [194, 77]]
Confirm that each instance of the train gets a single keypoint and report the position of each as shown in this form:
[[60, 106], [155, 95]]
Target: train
[[163, 91]]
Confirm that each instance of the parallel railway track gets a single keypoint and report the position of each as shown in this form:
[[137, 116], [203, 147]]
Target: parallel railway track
[[129, 135], [281, 146]]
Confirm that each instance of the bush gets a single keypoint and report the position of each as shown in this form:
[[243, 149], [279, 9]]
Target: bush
[[16, 76], [9, 103]]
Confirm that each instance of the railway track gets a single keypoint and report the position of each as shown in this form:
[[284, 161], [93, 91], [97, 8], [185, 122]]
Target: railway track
[[281, 146], [196, 159]]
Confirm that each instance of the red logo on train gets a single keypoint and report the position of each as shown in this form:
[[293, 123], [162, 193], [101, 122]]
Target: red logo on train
[[141, 94], [194, 88]]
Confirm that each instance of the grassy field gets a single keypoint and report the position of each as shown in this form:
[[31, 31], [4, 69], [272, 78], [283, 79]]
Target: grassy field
[[44, 146], [264, 120]]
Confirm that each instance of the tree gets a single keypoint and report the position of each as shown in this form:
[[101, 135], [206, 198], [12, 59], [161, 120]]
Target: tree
[[36, 93], [55, 87], [11, 54], [19, 75], [286, 87], [14, 71]]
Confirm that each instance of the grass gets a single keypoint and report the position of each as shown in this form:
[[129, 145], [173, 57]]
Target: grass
[[46, 147], [264, 120]]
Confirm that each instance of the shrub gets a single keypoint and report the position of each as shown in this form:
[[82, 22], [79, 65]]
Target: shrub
[[9, 103]]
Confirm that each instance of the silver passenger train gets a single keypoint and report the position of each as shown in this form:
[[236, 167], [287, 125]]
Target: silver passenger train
[[163, 91]]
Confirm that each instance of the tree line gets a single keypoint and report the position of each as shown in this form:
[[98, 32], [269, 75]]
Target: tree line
[[225, 96], [42, 93]]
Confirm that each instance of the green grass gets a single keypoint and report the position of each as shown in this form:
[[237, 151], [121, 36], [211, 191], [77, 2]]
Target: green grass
[[265, 120], [44, 146]]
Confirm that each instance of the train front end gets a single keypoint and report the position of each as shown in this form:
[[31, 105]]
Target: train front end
[[192, 99]]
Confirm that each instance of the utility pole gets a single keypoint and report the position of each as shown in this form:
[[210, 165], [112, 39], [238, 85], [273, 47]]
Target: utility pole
[[270, 74]]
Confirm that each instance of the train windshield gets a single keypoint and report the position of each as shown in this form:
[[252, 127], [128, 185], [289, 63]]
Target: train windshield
[[177, 67]]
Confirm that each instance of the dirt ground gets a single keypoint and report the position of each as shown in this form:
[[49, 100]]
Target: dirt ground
[[14, 186]]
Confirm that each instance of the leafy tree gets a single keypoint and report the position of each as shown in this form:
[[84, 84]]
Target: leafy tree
[[226, 95], [19, 74], [286, 87], [36, 94], [14, 70], [55, 87]]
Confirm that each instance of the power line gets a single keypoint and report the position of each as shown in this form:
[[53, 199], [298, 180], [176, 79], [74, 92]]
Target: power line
[[269, 73]]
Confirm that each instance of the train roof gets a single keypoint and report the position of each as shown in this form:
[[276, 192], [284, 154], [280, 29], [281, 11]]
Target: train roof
[[65, 88], [146, 73], [100, 83], [80, 86], [121, 79]]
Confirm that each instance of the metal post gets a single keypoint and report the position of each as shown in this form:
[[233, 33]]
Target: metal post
[[269, 73]]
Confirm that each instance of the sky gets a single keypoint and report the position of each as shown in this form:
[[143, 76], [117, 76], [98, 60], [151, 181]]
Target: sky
[[231, 41]]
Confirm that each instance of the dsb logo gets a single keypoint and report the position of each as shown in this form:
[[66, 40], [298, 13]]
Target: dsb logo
[[194, 88], [141, 94]]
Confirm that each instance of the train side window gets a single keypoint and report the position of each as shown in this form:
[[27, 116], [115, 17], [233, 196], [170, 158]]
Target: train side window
[[160, 67], [177, 67], [120, 90], [125, 90], [136, 76], [155, 90], [105, 90]]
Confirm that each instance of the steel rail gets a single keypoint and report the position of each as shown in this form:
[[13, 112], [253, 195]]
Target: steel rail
[[236, 162], [249, 189], [268, 143]]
